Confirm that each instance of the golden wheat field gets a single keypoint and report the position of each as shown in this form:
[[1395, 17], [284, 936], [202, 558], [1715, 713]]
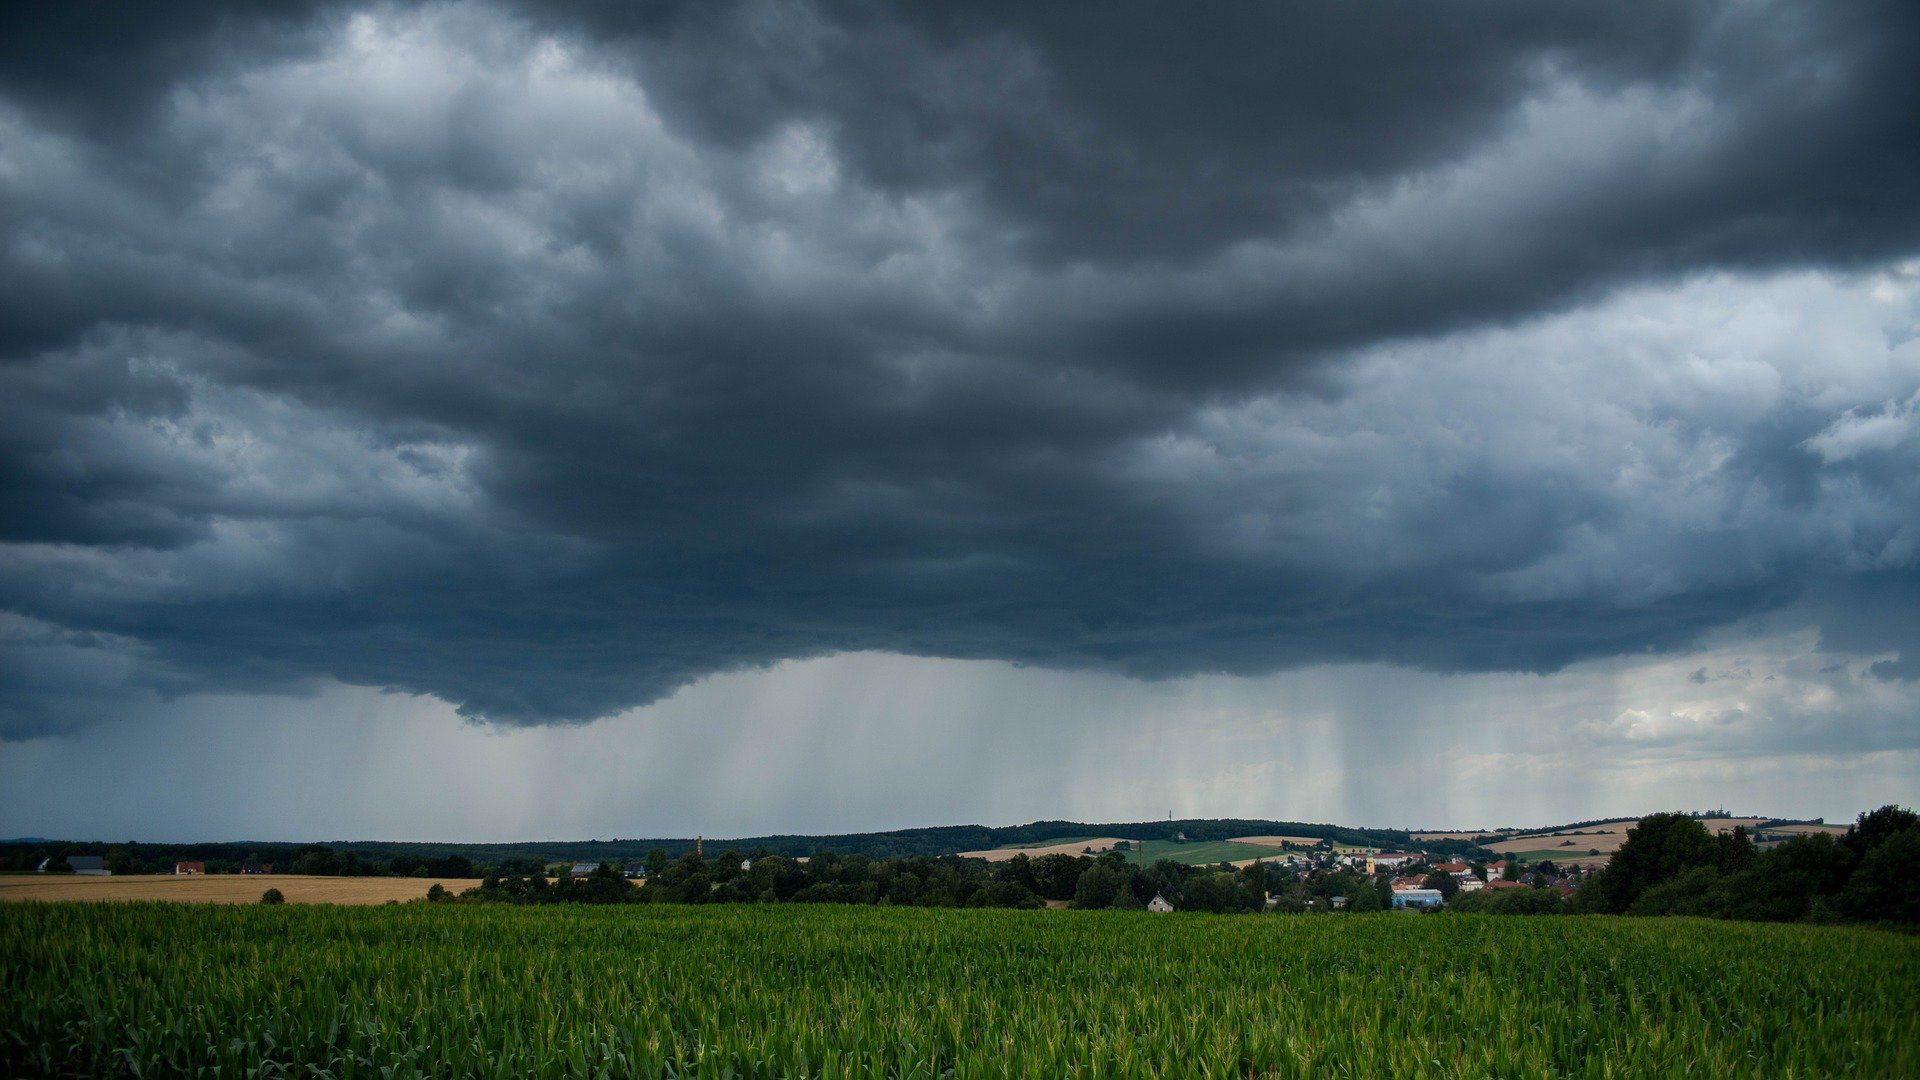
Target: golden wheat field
[[223, 888]]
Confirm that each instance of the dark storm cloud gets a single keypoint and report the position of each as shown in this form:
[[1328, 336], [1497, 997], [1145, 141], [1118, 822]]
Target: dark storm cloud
[[546, 358]]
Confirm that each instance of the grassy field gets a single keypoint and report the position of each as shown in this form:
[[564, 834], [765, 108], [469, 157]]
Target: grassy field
[[1070, 846], [1194, 853], [221, 888], [1205, 852], [752, 991], [1565, 856]]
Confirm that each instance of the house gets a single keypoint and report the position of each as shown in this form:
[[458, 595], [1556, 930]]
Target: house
[[1339, 902], [188, 869], [1390, 860], [1455, 867], [1418, 898], [1159, 904], [1471, 884], [1401, 884], [1497, 869], [635, 870], [1502, 883]]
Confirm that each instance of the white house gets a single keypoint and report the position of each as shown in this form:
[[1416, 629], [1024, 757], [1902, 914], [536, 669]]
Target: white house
[[1159, 904], [1418, 898], [1471, 884]]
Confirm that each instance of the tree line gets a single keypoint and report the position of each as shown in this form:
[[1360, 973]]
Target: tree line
[[1671, 865], [377, 858], [1083, 881], [1087, 882]]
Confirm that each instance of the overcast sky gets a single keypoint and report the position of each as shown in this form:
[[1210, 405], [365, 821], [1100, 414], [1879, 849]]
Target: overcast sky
[[497, 421]]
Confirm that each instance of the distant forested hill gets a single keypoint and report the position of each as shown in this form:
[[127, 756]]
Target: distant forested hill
[[382, 856]]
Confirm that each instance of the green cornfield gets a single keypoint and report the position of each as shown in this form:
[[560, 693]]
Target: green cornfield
[[766, 991]]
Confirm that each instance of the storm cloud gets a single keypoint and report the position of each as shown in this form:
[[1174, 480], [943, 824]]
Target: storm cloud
[[547, 358]]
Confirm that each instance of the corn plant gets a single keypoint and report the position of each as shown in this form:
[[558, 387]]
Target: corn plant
[[803, 991]]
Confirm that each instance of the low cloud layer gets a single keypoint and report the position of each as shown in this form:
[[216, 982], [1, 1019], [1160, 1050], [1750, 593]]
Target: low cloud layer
[[1775, 725], [546, 358]]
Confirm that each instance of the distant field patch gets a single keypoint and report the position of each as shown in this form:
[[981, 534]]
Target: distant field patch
[[1204, 852], [1564, 856], [1607, 836], [223, 888], [1835, 831], [1051, 847], [1191, 853]]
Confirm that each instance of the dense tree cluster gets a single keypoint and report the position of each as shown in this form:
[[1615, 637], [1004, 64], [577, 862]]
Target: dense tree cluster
[[1105, 881], [1532, 900], [1671, 865]]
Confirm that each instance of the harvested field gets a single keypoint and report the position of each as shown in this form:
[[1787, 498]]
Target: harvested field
[[1274, 841], [1066, 847], [224, 888], [1836, 831], [1468, 835], [1606, 836]]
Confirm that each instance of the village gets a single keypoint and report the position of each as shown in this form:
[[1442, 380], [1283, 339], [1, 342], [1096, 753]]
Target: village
[[1289, 874]]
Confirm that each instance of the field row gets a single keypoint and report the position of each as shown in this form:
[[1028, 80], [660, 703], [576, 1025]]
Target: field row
[[828, 991]]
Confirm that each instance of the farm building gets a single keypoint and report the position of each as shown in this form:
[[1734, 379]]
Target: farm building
[[188, 869], [1159, 904], [582, 869], [1418, 898], [87, 865]]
